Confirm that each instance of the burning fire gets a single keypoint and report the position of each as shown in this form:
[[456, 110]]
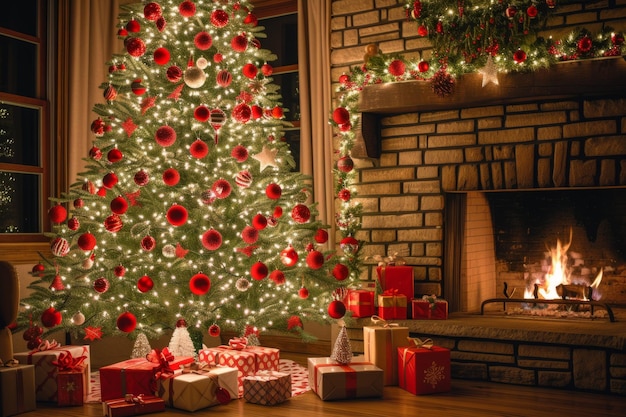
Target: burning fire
[[558, 282]]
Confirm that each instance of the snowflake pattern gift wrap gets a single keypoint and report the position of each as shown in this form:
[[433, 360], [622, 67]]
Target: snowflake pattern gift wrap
[[267, 388], [424, 370], [333, 381]]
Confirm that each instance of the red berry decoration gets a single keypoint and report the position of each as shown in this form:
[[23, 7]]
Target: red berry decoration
[[258, 271], [250, 70], [113, 223], [303, 293], [250, 235], [145, 284], [51, 317], [219, 18], [187, 8], [165, 136], [239, 43], [171, 177], [141, 178], [277, 276], [214, 330], [87, 241], [397, 68], [301, 213], [135, 47], [161, 56], [119, 205], [321, 236], [57, 214], [336, 309], [152, 11], [273, 191], [177, 215], [341, 116], [341, 272], [212, 239], [148, 243], [240, 153], [101, 285], [203, 40], [200, 284], [315, 259], [259, 222], [126, 322], [289, 256], [221, 188], [110, 180], [115, 155]]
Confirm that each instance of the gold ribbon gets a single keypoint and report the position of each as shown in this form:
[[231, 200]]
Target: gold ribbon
[[376, 320], [417, 342]]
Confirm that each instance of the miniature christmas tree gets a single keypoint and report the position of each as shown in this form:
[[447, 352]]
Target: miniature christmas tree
[[181, 343], [342, 351], [141, 347], [188, 205]]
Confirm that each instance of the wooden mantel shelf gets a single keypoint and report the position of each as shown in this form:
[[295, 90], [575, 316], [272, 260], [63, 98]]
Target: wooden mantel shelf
[[601, 77]]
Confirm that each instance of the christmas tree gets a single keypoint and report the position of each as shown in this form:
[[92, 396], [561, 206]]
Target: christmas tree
[[188, 207]]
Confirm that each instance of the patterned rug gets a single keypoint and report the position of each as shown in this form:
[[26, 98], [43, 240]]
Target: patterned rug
[[299, 380]]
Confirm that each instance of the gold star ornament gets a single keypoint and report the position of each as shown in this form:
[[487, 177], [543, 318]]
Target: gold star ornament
[[489, 72]]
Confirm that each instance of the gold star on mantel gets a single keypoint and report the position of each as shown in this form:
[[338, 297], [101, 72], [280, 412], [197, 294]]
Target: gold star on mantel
[[489, 72], [267, 157]]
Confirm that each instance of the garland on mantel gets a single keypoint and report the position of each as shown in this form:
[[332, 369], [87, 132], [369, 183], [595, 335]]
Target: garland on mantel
[[485, 36]]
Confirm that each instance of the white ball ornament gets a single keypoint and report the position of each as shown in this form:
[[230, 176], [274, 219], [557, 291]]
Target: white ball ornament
[[78, 319], [169, 251], [194, 77], [202, 63], [87, 263]]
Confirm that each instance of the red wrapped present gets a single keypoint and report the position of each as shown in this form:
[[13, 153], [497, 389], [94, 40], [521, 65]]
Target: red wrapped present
[[44, 359], [424, 368], [333, 381], [267, 359], [380, 344], [267, 387], [132, 405], [361, 303], [136, 376], [392, 305], [429, 308], [398, 278], [244, 360], [17, 389], [71, 388]]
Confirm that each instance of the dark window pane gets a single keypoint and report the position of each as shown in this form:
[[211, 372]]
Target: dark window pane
[[19, 135], [18, 72], [20, 16], [290, 92], [282, 38], [20, 203]]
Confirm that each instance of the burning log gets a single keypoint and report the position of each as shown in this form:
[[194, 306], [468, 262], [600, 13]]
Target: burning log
[[574, 292]]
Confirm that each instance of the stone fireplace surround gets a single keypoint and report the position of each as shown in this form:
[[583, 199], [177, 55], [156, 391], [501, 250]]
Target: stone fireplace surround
[[576, 139]]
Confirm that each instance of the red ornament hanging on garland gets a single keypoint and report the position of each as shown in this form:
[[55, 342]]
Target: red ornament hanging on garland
[[423, 66], [126, 322], [396, 68], [214, 330], [519, 56], [341, 115]]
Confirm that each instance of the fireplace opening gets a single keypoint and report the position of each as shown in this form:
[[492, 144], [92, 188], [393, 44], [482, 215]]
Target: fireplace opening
[[546, 244]]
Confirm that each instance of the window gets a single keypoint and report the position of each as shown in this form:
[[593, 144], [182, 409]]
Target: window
[[24, 127], [280, 20]]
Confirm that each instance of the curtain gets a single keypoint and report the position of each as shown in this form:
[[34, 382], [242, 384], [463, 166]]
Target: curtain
[[316, 144]]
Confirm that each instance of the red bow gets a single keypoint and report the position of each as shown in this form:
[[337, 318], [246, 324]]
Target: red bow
[[238, 343], [163, 358], [67, 363], [391, 291], [134, 399]]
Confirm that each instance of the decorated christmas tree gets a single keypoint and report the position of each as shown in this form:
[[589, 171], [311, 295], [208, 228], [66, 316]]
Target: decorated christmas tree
[[188, 207]]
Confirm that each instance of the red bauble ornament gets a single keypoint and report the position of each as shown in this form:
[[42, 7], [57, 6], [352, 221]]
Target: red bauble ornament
[[212, 239], [510, 12], [315, 259], [95, 153], [267, 69], [37, 269], [187, 8], [345, 164], [57, 214], [341, 115], [135, 47], [251, 19], [243, 179], [86, 241], [110, 93], [102, 192], [221, 188], [145, 284], [89, 187], [289, 256], [219, 18], [214, 330], [341, 272], [119, 271], [78, 203], [532, 11], [59, 247], [126, 322], [133, 26], [51, 317], [277, 112], [174, 74], [161, 56], [278, 212], [165, 136], [259, 222], [349, 244], [217, 58], [344, 194], [397, 68], [119, 205], [249, 70], [113, 223], [141, 178], [423, 66], [32, 332], [321, 236], [422, 30], [199, 149], [115, 155], [200, 284], [202, 113], [303, 293], [148, 243], [273, 191], [258, 271], [250, 235], [203, 40], [224, 78], [110, 180], [519, 56], [242, 113], [73, 223], [239, 43], [171, 177], [301, 213], [177, 215], [277, 276], [336, 309], [257, 112], [122, 32], [240, 153], [584, 45], [152, 11]]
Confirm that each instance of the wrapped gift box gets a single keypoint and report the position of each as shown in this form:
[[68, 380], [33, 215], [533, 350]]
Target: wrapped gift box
[[392, 306], [424, 370], [71, 388], [196, 390], [46, 387], [424, 309], [267, 359], [244, 360], [380, 346], [133, 376], [267, 388], [17, 389], [332, 381], [132, 406], [398, 278], [361, 303]]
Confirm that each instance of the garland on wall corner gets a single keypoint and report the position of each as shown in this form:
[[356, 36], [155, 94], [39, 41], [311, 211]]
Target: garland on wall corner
[[490, 37]]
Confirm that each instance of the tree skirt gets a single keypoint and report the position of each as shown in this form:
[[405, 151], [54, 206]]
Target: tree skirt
[[299, 380]]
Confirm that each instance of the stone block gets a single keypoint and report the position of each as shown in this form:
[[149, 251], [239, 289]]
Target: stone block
[[468, 178], [607, 172], [387, 188], [433, 219], [462, 370], [432, 203], [525, 165], [403, 203], [605, 146], [457, 126], [517, 135], [475, 154], [535, 119], [385, 235], [490, 123], [399, 144], [448, 156], [419, 235], [542, 351], [582, 173], [502, 152], [393, 221], [618, 386], [422, 187], [554, 379], [543, 173], [589, 369], [410, 158], [482, 112], [560, 164], [448, 178], [511, 375], [543, 364], [388, 174], [486, 347], [485, 177], [589, 128], [439, 115], [604, 108], [427, 172], [449, 141]]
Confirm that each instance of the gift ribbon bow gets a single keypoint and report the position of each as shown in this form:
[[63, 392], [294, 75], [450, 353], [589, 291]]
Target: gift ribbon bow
[[10, 362], [47, 345], [134, 399], [67, 363], [392, 259], [163, 358], [417, 342], [238, 343], [382, 322], [196, 368], [391, 292]]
